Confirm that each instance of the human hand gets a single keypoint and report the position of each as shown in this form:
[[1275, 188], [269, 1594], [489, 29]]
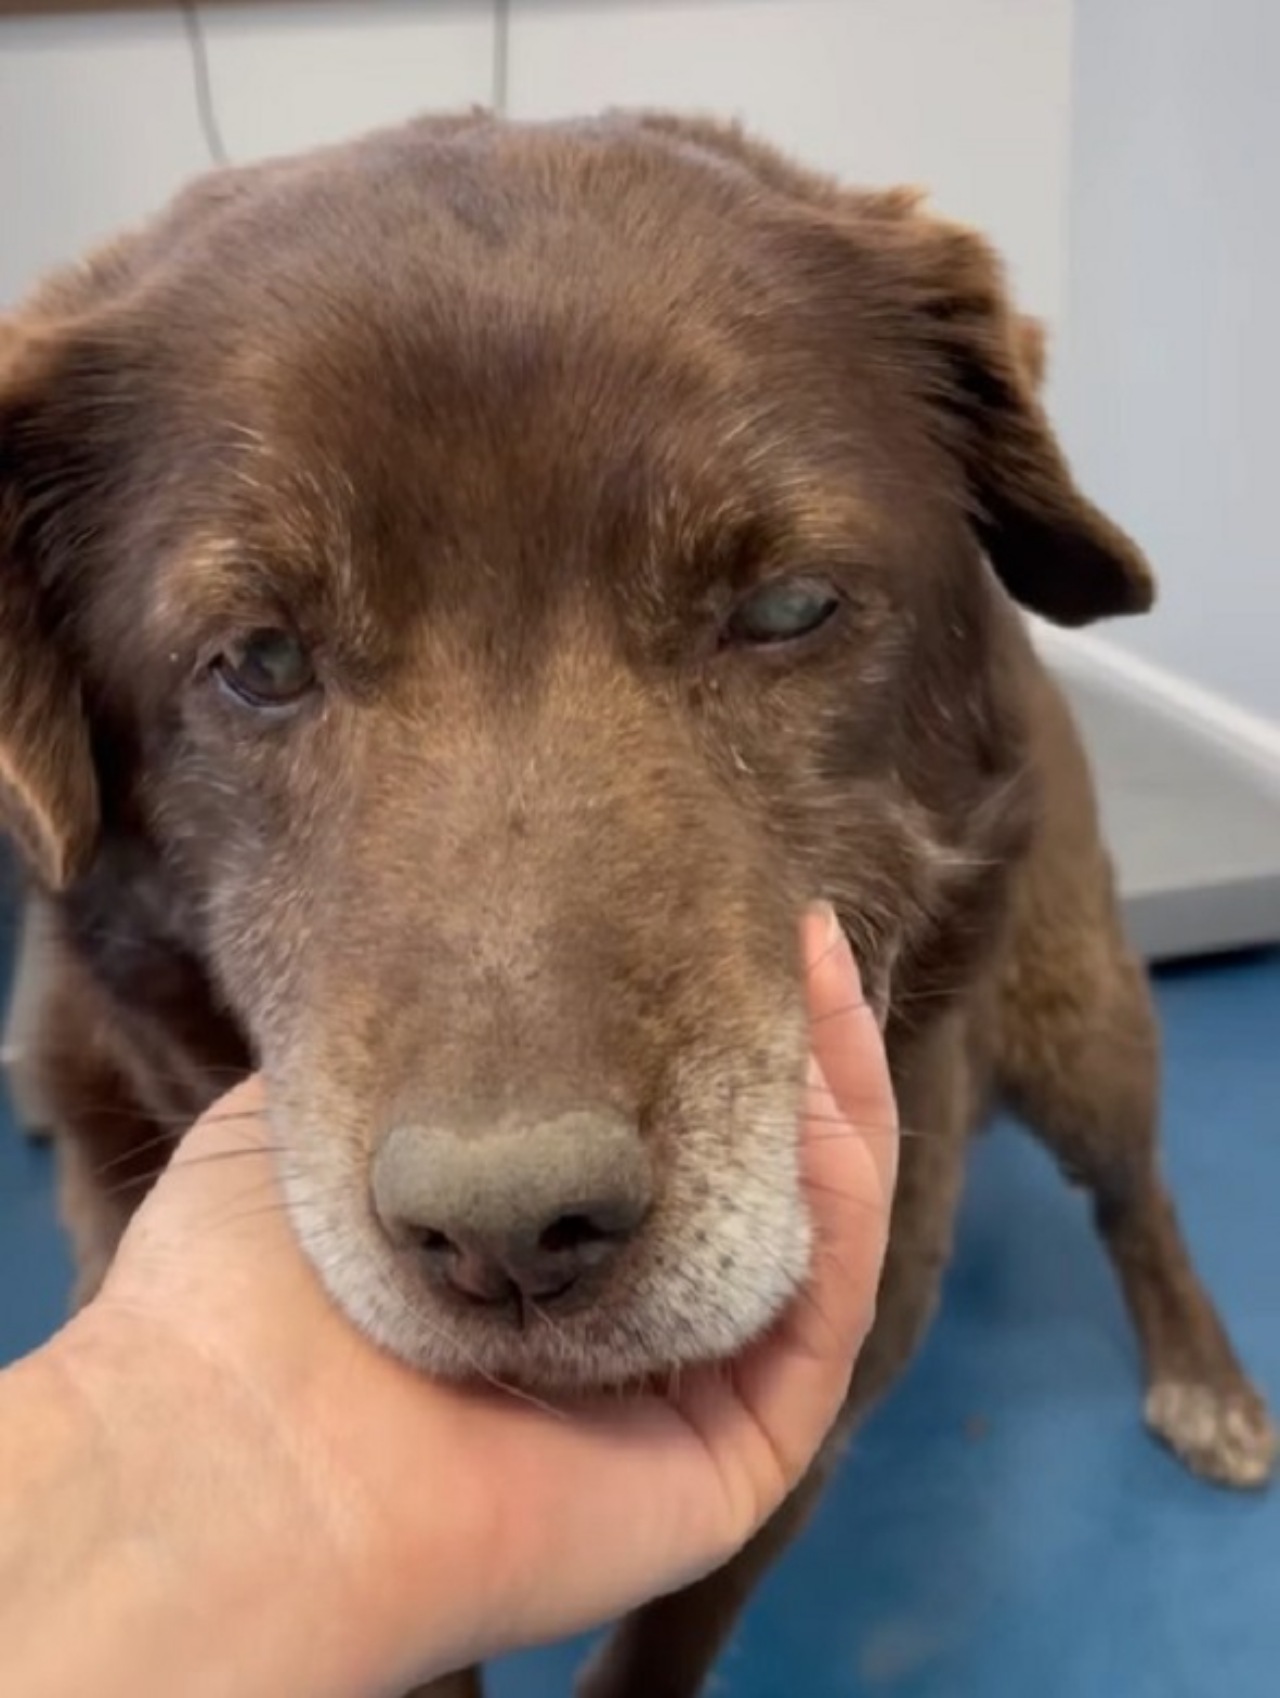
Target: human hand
[[377, 1527]]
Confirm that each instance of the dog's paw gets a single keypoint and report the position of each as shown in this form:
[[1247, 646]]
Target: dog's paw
[[1223, 1435]]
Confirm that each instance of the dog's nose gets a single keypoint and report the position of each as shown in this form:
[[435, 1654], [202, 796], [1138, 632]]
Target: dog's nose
[[526, 1211]]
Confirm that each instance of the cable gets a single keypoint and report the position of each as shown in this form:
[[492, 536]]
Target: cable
[[206, 107]]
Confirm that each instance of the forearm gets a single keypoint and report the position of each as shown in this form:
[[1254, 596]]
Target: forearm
[[65, 1574], [137, 1557]]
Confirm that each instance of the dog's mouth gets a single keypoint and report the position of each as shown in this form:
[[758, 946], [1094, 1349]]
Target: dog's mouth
[[595, 1261], [685, 1292]]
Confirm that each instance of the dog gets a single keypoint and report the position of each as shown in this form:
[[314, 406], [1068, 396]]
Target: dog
[[464, 592]]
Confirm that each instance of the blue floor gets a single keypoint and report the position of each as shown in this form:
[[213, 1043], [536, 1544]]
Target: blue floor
[[1003, 1527]]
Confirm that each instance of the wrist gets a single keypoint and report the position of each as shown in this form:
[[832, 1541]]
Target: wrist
[[56, 1526], [166, 1535]]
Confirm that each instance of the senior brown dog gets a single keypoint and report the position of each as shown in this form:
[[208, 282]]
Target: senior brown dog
[[462, 593]]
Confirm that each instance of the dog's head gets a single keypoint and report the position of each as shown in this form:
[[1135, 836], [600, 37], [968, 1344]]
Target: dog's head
[[492, 578]]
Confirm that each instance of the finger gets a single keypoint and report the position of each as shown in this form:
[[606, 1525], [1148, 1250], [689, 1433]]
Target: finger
[[212, 1254], [218, 1202], [237, 1121], [848, 1150], [795, 1381], [848, 1047], [221, 1172]]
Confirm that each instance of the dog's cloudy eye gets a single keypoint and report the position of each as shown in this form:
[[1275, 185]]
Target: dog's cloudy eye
[[781, 612], [266, 669]]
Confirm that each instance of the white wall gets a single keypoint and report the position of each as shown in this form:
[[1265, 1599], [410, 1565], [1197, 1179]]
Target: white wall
[[98, 117], [971, 97], [1164, 151], [1170, 379], [968, 97]]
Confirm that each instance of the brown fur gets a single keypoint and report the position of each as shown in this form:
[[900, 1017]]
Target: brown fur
[[504, 422]]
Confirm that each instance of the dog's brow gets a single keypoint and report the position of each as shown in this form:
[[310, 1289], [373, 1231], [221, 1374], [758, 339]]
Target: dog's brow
[[793, 521], [205, 581], [220, 577]]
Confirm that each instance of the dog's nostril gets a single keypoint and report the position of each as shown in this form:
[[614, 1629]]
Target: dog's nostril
[[571, 1232], [586, 1230], [526, 1212], [435, 1243]]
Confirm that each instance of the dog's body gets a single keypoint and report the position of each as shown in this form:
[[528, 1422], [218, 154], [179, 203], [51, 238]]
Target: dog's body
[[614, 500]]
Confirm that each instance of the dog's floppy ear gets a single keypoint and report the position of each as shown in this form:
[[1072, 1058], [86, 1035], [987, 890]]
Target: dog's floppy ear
[[1053, 550], [72, 365], [48, 790], [943, 289]]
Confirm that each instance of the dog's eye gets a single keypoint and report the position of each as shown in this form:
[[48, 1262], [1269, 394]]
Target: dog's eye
[[779, 613], [266, 669]]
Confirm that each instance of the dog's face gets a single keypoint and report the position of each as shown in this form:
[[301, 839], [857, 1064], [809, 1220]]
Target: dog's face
[[490, 580]]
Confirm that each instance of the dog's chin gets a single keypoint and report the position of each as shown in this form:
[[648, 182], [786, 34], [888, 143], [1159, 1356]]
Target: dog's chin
[[682, 1313]]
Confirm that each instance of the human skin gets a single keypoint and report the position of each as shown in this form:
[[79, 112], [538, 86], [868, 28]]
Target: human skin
[[215, 1485]]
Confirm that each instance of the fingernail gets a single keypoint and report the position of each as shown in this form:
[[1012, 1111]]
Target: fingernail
[[831, 932], [845, 954], [827, 940], [816, 1080], [820, 933]]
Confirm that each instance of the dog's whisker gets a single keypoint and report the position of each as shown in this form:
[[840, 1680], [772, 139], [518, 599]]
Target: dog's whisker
[[835, 1123], [433, 1327], [872, 1205], [168, 1140], [118, 1185]]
